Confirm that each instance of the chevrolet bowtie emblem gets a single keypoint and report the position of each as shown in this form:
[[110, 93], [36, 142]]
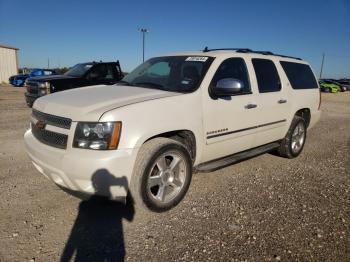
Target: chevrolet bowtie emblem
[[40, 124]]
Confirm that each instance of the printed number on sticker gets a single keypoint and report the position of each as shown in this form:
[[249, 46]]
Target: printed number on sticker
[[197, 58]]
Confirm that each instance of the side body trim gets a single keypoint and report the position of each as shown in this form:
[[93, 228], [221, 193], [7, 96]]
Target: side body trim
[[245, 129]]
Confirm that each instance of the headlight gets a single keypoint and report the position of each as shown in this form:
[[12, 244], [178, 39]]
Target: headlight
[[98, 136], [44, 88]]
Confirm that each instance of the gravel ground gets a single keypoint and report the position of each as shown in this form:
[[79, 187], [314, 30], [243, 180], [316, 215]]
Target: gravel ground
[[263, 209]]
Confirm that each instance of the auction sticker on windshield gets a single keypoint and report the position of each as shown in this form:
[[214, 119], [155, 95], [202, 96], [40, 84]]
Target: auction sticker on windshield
[[197, 58]]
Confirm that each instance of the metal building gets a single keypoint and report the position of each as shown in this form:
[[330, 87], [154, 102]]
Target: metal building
[[8, 62]]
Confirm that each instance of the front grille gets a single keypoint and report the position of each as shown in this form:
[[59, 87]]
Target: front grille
[[32, 90], [32, 87], [52, 120], [50, 138]]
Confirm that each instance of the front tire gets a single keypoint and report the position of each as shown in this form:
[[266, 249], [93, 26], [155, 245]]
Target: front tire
[[294, 141], [161, 175]]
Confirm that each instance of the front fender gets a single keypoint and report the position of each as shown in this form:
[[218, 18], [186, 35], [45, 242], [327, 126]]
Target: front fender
[[144, 120]]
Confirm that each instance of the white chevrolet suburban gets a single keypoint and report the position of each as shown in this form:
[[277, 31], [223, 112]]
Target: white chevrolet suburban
[[171, 116]]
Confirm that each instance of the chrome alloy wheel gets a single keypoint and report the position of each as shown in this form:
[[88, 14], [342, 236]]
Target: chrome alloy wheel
[[167, 177], [298, 138]]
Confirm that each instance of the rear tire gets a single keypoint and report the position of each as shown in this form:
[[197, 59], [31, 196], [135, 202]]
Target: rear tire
[[162, 174], [294, 141]]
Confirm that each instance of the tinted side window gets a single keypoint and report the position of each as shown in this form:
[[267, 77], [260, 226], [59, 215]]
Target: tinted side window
[[300, 76], [266, 75], [233, 68], [103, 72]]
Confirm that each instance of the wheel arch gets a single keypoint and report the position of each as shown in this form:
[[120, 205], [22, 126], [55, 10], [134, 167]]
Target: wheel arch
[[304, 113], [185, 137]]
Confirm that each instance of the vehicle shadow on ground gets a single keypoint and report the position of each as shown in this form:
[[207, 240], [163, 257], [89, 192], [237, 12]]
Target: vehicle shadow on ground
[[97, 234]]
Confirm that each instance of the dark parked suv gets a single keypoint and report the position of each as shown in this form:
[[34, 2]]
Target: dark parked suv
[[85, 74]]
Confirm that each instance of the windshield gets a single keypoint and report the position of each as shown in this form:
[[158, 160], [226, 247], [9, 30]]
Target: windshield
[[171, 73], [78, 70], [36, 72]]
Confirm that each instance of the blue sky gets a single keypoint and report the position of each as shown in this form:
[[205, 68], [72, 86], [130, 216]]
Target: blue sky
[[69, 32]]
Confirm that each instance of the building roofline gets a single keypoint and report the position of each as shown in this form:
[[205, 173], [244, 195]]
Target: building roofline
[[9, 47]]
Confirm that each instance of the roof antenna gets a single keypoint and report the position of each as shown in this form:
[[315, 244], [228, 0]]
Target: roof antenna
[[205, 49]]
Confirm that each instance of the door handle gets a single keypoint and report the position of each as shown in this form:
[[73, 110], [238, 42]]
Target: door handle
[[282, 101], [250, 106]]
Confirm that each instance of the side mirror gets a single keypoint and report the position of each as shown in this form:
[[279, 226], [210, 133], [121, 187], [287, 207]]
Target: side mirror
[[228, 87]]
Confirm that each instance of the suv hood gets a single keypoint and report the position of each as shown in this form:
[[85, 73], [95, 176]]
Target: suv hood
[[89, 103]]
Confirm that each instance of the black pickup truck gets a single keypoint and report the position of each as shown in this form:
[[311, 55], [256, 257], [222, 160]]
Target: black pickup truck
[[84, 74]]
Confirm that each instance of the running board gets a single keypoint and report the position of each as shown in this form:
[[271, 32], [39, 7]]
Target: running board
[[235, 158]]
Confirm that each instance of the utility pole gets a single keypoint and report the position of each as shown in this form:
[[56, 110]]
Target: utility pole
[[48, 63], [143, 31], [322, 65]]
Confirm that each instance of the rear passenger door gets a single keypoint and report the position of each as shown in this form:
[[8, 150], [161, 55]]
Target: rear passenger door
[[273, 105]]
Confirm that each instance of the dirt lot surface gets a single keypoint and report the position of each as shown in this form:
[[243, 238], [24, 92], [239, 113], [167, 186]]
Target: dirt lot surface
[[266, 208]]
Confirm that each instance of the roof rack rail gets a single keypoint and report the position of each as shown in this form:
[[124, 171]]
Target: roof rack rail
[[247, 50], [267, 53], [264, 52], [206, 49], [287, 56]]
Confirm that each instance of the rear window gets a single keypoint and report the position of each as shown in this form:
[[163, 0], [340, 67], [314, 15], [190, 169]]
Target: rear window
[[300, 76]]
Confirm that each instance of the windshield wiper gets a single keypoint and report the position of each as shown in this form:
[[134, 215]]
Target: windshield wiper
[[150, 84]]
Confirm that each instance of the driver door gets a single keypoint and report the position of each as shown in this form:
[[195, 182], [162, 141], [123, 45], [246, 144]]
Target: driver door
[[230, 122]]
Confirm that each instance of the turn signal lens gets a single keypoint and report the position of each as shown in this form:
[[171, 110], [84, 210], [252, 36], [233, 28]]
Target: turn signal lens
[[115, 136]]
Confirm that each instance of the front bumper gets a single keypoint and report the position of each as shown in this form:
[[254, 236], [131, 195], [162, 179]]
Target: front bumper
[[30, 98], [18, 82], [106, 173]]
